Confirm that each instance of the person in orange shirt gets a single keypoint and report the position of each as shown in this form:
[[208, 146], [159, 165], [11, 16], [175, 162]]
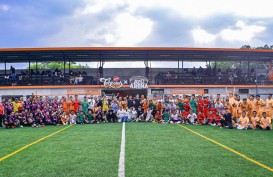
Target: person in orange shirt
[[159, 106], [245, 106], [259, 105], [265, 122], [228, 105], [254, 121], [20, 104], [269, 106], [243, 122], [145, 106], [250, 101], [235, 109], [71, 104]]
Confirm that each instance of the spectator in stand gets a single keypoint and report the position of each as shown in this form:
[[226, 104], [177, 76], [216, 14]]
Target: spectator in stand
[[80, 80], [13, 75], [193, 71], [62, 78]]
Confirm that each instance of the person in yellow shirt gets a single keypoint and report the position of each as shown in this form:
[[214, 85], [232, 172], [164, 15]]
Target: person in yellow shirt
[[15, 105], [243, 122], [265, 122], [254, 121], [105, 105], [269, 106], [259, 105]]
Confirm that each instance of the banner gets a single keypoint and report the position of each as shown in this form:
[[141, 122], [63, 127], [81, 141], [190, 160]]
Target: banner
[[84, 92], [139, 82], [187, 91]]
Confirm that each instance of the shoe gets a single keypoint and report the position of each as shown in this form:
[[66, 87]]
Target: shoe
[[21, 126]]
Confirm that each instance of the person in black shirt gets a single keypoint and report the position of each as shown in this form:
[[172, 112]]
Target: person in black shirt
[[226, 119], [111, 115], [137, 102], [140, 114], [130, 102]]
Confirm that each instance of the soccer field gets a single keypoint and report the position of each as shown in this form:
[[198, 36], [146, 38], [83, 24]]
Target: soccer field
[[150, 150]]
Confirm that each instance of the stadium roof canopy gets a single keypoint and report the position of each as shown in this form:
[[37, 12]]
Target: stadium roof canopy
[[96, 54]]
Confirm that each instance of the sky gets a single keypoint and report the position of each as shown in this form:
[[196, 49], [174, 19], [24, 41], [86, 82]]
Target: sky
[[135, 23]]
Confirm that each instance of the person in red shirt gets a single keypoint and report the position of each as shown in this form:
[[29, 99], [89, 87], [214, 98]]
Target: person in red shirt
[[76, 104], [201, 118], [218, 118], [158, 117], [206, 104], [184, 114], [200, 106], [210, 118]]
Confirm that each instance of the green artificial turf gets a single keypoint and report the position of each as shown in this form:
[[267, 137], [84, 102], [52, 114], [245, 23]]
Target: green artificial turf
[[169, 150], [151, 150], [81, 150]]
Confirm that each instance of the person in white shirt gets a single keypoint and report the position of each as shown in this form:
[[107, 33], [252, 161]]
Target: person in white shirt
[[148, 115], [219, 106], [175, 119], [91, 103], [191, 118], [72, 117], [121, 115], [132, 114]]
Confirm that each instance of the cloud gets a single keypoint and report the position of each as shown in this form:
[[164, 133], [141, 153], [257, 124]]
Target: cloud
[[4, 7], [172, 23]]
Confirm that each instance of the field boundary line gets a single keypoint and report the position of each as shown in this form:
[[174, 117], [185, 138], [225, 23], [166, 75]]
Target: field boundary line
[[228, 148], [35, 142], [121, 166]]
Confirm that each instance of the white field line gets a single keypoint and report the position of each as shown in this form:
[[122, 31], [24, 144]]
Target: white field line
[[121, 166]]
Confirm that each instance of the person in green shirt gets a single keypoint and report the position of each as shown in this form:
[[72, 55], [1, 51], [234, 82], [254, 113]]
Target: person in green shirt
[[89, 117], [180, 105], [85, 105], [80, 118], [166, 116]]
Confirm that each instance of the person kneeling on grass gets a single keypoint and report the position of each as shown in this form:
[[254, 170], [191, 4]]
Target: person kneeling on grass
[[72, 117], [80, 118], [243, 122], [191, 118], [254, 121], [64, 118], [166, 116], [111, 115], [148, 115], [121, 114], [158, 117], [175, 119], [265, 122], [211, 117], [9, 121], [201, 118], [89, 117], [226, 119]]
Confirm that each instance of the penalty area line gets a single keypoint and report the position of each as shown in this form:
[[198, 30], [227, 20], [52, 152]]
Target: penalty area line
[[229, 149]]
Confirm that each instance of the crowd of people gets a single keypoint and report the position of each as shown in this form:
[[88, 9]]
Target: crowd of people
[[229, 111]]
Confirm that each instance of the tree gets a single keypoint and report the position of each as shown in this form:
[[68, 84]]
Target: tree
[[59, 65]]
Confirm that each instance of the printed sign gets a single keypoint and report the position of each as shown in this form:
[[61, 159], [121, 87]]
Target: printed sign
[[109, 83], [83, 92], [187, 91], [139, 82]]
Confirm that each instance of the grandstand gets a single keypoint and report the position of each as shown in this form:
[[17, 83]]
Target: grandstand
[[252, 75]]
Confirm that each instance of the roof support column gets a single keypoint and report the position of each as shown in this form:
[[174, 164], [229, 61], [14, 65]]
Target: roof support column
[[5, 68], [64, 64], [36, 72]]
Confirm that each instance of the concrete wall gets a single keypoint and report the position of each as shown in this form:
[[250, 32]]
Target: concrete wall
[[60, 91]]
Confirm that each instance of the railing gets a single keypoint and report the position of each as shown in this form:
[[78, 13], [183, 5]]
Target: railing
[[162, 79]]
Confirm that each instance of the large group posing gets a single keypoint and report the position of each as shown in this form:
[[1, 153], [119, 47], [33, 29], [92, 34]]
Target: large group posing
[[229, 111]]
